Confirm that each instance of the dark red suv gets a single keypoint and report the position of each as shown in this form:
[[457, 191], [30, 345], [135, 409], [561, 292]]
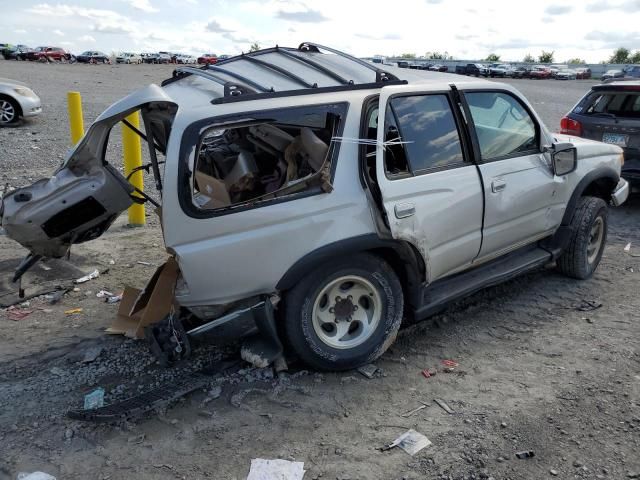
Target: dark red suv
[[49, 54]]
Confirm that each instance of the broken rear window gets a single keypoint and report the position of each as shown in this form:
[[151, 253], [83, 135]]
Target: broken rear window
[[262, 156]]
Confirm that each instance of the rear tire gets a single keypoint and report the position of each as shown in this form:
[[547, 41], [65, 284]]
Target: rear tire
[[589, 223], [344, 314]]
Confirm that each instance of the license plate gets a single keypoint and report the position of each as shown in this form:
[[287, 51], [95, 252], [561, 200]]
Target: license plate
[[615, 139]]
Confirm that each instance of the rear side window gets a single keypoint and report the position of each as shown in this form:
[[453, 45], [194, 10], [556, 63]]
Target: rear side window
[[619, 104], [503, 126], [427, 125], [266, 155]]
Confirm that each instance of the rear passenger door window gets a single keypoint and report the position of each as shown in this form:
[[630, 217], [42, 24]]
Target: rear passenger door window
[[503, 126], [425, 134]]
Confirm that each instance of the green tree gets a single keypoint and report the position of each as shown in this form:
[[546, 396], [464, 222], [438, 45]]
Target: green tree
[[528, 58], [255, 46], [635, 58], [408, 55], [620, 55], [492, 57], [575, 60], [545, 57]]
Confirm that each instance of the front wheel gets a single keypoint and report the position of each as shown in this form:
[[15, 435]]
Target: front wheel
[[345, 314], [9, 111], [589, 225]]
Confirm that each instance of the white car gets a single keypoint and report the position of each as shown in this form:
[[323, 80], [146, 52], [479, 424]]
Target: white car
[[128, 57], [316, 200], [17, 100], [566, 74], [185, 59]]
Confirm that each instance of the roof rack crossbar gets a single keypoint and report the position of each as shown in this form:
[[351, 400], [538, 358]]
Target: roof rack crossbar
[[201, 73], [381, 75], [315, 66], [239, 77], [280, 70]]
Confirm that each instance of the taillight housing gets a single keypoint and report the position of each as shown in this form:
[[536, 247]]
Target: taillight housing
[[569, 126]]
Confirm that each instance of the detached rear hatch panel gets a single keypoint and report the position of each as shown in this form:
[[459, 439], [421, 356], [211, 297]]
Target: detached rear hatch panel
[[85, 195]]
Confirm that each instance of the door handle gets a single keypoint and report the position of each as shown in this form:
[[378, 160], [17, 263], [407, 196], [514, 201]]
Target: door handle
[[404, 210], [498, 186]]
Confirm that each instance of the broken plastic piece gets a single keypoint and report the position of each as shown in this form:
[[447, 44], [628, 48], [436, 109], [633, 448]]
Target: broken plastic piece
[[368, 370], [86, 278], [104, 293], [94, 399], [34, 476], [262, 469], [442, 404], [73, 311], [526, 454]]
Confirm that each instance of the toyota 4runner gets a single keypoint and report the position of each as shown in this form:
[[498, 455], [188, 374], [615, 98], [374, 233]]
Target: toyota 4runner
[[318, 199]]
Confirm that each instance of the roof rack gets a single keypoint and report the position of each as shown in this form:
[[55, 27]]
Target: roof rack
[[248, 75]]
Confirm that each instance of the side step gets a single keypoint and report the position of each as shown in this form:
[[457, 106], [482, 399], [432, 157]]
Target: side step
[[437, 295]]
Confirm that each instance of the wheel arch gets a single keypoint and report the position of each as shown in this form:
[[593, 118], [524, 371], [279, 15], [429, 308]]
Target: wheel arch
[[597, 183], [401, 256]]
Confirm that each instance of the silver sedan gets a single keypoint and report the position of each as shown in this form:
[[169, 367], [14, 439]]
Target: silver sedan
[[17, 100]]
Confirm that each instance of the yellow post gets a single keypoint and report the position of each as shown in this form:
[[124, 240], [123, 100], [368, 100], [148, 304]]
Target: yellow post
[[132, 150], [76, 122]]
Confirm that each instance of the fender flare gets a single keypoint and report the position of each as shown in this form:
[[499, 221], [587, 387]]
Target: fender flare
[[603, 173], [403, 258]]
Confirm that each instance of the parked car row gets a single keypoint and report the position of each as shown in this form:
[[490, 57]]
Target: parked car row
[[434, 67], [504, 70], [57, 54]]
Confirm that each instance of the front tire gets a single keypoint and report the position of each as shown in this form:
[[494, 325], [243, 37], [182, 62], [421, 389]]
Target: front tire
[[345, 314], [589, 224], [9, 111]]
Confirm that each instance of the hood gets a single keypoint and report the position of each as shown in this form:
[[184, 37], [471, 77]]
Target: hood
[[12, 83]]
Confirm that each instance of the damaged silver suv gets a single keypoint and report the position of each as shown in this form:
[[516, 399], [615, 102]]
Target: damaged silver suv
[[314, 200]]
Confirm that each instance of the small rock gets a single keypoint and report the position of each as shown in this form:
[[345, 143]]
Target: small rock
[[577, 463], [503, 425], [553, 472], [633, 475], [68, 434]]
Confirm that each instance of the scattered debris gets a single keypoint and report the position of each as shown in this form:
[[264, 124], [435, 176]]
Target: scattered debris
[[588, 306], [553, 472], [34, 476], [17, 314], [442, 404], [627, 247], [449, 365], [148, 264], [136, 439], [262, 469], [73, 311], [414, 411], [428, 373], [104, 293], [368, 370], [94, 399], [55, 297], [86, 278], [91, 354], [280, 364], [410, 441], [113, 299], [526, 454]]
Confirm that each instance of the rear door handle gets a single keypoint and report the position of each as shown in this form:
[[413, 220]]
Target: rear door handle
[[498, 186], [404, 210]]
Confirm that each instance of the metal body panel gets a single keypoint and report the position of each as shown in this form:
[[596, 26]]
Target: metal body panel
[[446, 226]]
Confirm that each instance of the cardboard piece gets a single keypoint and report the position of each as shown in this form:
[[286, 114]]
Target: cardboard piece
[[140, 308], [213, 192]]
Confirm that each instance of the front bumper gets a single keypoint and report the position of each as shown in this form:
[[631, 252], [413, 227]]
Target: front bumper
[[30, 106], [621, 193]]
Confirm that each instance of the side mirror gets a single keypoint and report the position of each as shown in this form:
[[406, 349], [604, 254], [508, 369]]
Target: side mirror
[[564, 158]]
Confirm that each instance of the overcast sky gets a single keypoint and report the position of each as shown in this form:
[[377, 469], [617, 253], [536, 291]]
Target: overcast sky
[[467, 29]]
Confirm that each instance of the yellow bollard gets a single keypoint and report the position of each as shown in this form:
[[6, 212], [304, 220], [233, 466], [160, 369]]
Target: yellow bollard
[[76, 122], [132, 151]]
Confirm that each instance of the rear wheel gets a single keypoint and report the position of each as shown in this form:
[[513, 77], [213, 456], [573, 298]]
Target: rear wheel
[[589, 224], [345, 314], [9, 111]]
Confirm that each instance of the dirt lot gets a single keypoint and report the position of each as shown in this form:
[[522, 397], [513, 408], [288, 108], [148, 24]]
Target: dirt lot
[[539, 368]]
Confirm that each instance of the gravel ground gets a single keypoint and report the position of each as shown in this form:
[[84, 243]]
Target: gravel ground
[[536, 371]]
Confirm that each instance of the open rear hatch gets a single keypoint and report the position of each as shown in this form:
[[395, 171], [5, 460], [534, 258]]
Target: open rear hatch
[[86, 194]]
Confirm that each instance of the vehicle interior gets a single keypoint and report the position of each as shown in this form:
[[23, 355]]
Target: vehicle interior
[[260, 160]]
